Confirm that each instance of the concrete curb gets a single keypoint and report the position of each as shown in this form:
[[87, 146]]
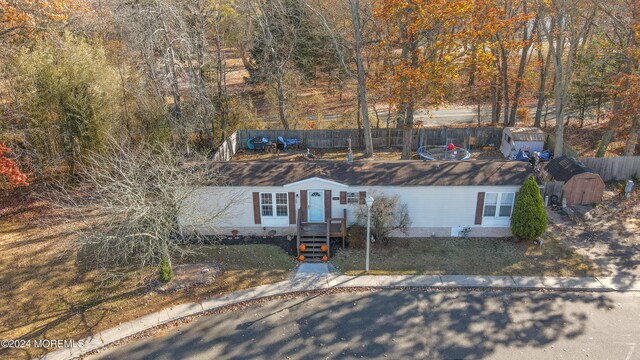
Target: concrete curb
[[313, 282]]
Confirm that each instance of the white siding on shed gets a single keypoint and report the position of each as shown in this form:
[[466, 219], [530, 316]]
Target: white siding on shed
[[510, 145]]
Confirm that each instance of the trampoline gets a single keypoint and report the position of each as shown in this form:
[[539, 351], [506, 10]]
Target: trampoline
[[445, 152]]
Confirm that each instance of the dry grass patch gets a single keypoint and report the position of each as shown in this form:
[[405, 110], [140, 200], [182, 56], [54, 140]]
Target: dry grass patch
[[476, 256], [46, 295]]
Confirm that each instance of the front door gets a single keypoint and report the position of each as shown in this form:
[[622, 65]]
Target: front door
[[316, 206]]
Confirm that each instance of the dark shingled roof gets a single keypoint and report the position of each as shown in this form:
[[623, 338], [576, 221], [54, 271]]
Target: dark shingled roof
[[564, 168], [374, 173]]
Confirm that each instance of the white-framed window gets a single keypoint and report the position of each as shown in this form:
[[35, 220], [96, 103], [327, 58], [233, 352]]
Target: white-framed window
[[274, 204], [353, 198], [498, 205]]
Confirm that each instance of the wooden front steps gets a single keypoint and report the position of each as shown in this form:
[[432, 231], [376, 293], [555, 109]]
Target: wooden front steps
[[314, 235], [313, 248]]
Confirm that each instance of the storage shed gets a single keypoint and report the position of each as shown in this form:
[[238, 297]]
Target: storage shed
[[581, 185], [515, 139]]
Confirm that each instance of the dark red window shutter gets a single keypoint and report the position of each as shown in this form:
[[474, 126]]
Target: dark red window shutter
[[256, 208], [479, 208], [303, 204], [327, 205], [361, 198], [343, 197], [292, 208]]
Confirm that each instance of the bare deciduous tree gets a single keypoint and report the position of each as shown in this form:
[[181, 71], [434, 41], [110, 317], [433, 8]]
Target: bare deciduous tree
[[131, 198], [388, 214], [278, 37], [338, 40]]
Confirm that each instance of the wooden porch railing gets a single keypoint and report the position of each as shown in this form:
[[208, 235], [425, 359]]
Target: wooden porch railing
[[343, 227], [298, 230]]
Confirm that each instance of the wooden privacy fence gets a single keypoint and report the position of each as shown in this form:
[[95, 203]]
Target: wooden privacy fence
[[228, 148], [550, 143], [327, 139], [614, 168], [553, 188]]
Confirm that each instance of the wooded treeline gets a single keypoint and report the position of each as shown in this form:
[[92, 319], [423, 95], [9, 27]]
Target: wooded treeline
[[76, 73]]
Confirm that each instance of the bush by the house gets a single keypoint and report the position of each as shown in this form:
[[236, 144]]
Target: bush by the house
[[166, 273], [388, 214], [529, 220], [356, 234]]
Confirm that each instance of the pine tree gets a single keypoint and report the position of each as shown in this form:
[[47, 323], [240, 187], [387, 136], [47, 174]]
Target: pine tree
[[529, 220]]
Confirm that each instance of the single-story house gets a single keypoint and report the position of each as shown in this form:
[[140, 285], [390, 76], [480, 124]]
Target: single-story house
[[526, 139], [442, 197], [581, 185]]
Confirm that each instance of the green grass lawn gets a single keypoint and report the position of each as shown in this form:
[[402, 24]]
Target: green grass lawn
[[455, 256]]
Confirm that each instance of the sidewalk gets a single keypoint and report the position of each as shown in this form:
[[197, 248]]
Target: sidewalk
[[318, 277]]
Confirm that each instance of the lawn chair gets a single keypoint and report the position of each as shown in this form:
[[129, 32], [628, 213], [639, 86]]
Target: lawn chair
[[284, 144]]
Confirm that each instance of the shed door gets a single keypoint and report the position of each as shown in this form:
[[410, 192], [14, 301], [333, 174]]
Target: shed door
[[585, 189], [316, 205]]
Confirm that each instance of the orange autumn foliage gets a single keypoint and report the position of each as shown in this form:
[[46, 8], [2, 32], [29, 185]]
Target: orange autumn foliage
[[628, 86], [10, 175], [24, 18], [428, 43]]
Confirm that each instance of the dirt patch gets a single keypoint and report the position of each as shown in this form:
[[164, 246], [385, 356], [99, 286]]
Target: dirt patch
[[585, 139], [187, 276], [608, 234], [493, 154]]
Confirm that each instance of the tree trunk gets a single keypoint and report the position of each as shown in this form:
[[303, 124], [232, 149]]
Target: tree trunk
[[407, 134], [495, 113], [242, 49], [521, 69], [362, 91], [221, 79], [170, 68], [599, 108], [632, 141], [498, 102], [604, 143], [280, 92], [505, 83], [401, 115], [358, 117], [542, 93], [559, 144], [375, 110]]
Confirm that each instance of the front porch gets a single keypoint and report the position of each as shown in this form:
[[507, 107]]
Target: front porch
[[313, 238]]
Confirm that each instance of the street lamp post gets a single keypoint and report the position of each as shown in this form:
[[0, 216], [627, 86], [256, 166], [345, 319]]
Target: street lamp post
[[369, 201]]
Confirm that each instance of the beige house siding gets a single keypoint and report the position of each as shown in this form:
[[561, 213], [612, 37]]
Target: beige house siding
[[434, 211]]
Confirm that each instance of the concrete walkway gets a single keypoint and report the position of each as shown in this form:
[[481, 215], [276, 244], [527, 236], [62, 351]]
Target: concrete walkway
[[318, 278]]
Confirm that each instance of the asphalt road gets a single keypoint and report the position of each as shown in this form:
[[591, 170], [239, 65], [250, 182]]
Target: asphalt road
[[453, 115], [445, 116], [397, 324]]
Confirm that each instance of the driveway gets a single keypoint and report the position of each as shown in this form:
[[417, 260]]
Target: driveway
[[410, 324]]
